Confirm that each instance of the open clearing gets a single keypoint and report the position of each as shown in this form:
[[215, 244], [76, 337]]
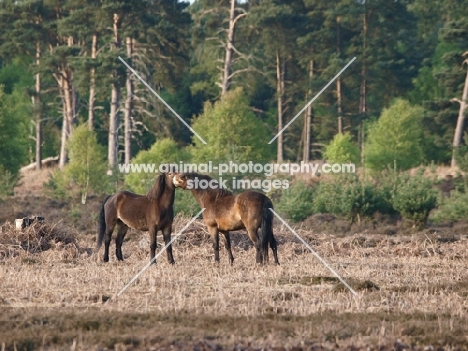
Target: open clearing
[[412, 293]]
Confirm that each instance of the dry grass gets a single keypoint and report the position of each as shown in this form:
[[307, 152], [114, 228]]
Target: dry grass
[[32, 182], [37, 238], [410, 288]]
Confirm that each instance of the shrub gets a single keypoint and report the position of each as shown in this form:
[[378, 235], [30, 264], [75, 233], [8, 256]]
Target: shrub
[[85, 173], [414, 198], [342, 150], [396, 138], [185, 203], [8, 181], [453, 208], [232, 132], [163, 151], [351, 197], [296, 201]]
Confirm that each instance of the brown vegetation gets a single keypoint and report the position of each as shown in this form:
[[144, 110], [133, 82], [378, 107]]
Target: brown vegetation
[[412, 292], [56, 295]]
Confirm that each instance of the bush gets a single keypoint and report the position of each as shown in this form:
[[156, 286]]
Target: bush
[[8, 181], [414, 198], [232, 132], [453, 208], [342, 150], [461, 155], [351, 197], [85, 173], [185, 203], [396, 138], [296, 201], [163, 151]]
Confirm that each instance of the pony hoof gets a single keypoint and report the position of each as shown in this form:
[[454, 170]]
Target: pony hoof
[[172, 262]]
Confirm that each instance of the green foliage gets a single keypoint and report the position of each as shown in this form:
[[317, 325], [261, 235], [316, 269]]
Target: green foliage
[[342, 150], [13, 130], [232, 132], [56, 185], [461, 155], [185, 203], [395, 139], [296, 201], [8, 182], [293, 36], [453, 208], [164, 151], [87, 167], [414, 198], [85, 173], [347, 196]]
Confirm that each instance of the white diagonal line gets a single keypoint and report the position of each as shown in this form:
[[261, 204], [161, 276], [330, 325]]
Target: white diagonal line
[[315, 253], [164, 102], [159, 253], [311, 101]]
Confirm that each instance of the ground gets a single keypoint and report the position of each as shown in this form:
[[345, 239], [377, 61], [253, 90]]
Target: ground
[[55, 294]]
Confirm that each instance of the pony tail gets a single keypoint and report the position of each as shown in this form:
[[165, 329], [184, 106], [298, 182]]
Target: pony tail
[[267, 230], [102, 225]]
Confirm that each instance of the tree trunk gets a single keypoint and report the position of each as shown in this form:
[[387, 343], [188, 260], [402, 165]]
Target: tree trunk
[[457, 137], [363, 91], [92, 85], [308, 118], [114, 107], [113, 126], [38, 111], [65, 81], [229, 48], [63, 142], [69, 102], [128, 105], [279, 93], [338, 81], [338, 100]]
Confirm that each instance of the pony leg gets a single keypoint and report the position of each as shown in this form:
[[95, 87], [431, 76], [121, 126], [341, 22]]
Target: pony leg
[[273, 246], [123, 228], [264, 248], [227, 240], [167, 239], [153, 231], [107, 240], [258, 247], [214, 233]]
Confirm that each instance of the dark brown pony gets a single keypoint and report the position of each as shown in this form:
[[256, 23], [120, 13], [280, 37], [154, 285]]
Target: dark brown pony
[[151, 212], [225, 212]]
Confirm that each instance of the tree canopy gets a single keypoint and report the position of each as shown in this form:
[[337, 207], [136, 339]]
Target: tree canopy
[[236, 71]]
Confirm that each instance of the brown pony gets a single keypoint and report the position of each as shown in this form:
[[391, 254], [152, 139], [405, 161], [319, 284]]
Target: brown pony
[[151, 212], [225, 212]]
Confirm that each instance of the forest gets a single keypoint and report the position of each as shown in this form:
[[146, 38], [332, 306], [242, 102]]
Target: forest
[[237, 72], [90, 86]]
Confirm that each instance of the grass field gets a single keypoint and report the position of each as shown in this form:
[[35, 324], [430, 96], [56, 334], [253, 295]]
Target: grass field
[[412, 293]]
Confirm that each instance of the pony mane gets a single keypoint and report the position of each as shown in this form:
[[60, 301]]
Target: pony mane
[[218, 192], [158, 188]]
